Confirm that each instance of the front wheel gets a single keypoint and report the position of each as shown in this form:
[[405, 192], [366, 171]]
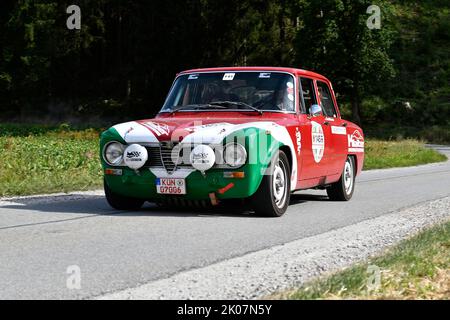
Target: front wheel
[[121, 202], [342, 190], [273, 195]]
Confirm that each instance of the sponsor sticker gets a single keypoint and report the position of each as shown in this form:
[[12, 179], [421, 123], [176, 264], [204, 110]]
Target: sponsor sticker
[[134, 156], [298, 137], [318, 141], [127, 132], [228, 76], [355, 142], [264, 75], [157, 128], [338, 130], [193, 77], [221, 126], [202, 157]]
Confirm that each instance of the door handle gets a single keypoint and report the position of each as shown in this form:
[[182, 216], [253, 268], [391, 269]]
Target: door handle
[[345, 124], [326, 123]]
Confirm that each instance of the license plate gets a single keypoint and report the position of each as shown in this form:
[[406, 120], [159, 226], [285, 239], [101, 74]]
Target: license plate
[[170, 186]]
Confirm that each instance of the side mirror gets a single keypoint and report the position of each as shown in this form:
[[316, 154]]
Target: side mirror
[[315, 110]]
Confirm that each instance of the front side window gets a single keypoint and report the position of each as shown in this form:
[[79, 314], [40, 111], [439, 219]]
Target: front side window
[[308, 93], [326, 99], [265, 91]]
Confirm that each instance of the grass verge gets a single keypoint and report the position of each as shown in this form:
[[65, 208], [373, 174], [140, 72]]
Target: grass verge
[[418, 268], [54, 161], [43, 159], [404, 153], [432, 134]]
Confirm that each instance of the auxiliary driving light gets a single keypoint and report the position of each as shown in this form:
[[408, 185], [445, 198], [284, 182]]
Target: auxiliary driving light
[[202, 157], [135, 156]]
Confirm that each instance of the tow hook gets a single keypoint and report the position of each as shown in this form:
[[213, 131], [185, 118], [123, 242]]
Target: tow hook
[[213, 198]]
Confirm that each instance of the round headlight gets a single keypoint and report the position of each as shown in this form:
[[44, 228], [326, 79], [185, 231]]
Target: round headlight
[[234, 155], [114, 153]]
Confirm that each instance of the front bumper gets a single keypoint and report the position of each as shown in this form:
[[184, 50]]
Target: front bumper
[[198, 187]]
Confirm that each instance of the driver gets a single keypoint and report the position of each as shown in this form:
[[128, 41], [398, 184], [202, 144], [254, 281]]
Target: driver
[[214, 92], [282, 101]]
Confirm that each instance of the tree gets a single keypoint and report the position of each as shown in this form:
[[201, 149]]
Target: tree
[[127, 53], [335, 40], [25, 55]]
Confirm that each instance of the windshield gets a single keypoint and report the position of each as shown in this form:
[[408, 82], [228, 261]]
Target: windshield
[[264, 91]]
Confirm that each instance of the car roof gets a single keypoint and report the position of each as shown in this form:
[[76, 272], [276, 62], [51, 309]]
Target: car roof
[[295, 71]]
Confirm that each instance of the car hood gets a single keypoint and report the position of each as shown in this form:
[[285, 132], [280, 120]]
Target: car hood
[[189, 130]]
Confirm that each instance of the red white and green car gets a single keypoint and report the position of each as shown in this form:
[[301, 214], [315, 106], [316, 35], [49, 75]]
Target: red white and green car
[[254, 133]]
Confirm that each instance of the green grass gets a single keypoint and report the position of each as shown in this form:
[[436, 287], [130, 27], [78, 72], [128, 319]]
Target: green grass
[[418, 268], [50, 161], [404, 153], [43, 159], [431, 134]]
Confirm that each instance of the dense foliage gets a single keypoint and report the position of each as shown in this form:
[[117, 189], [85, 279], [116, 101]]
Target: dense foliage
[[123, 60]]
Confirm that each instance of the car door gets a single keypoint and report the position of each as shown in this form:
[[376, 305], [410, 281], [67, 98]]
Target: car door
[[336, 128], [315, 135]]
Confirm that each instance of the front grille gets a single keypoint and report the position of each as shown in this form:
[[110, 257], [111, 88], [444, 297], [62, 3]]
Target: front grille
[[168, 159], [154, 157], [160, 156]]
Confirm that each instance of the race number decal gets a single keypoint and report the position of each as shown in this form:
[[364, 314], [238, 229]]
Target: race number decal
[[228, 76], [318, 141]]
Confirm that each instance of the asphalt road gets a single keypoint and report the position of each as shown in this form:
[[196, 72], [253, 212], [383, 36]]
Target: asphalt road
[[41, 237]]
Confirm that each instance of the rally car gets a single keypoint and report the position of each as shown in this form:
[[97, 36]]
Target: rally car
[[254, 133]]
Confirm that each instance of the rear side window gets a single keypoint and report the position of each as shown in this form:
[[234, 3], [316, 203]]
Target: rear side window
[[309, 97], [326, 99]]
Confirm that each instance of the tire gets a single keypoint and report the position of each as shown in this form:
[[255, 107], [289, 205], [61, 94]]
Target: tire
[[343, 189], [120, 202], [273, 195]]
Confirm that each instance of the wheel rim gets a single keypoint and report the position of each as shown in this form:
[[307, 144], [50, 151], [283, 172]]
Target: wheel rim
[[279, 187], [348, 176]]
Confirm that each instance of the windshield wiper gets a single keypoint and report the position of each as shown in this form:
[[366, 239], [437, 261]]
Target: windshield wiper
[[198, 106], [237, 103]]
